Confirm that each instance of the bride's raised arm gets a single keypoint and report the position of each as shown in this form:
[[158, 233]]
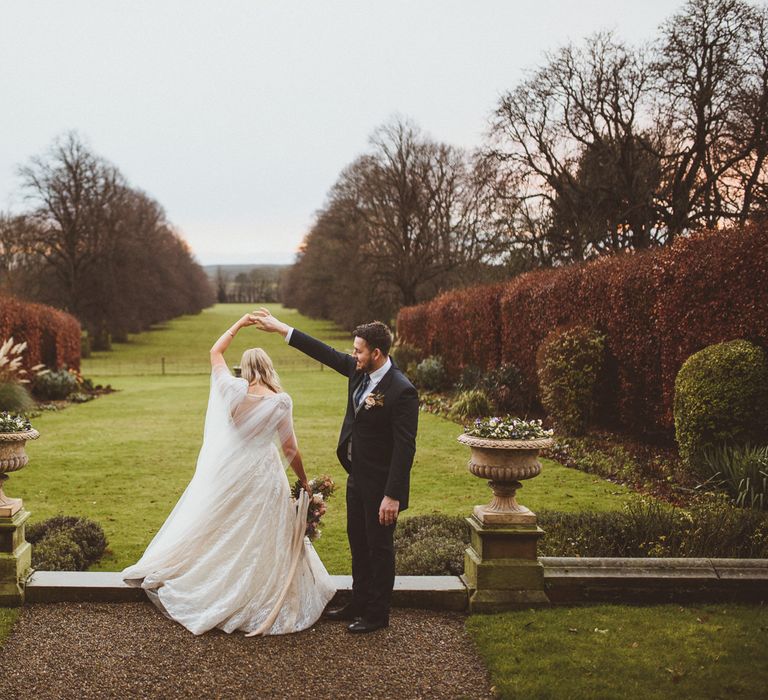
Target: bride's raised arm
[[220, 346]]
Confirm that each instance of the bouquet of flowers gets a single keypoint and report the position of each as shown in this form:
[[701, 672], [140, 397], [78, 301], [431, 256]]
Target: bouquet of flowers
[[508, 428], [322, 488]]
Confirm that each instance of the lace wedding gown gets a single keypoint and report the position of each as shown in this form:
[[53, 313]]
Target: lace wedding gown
[[232, 553]]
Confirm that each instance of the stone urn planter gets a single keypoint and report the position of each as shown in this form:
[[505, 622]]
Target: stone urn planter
[[12, 458], [505, 463]]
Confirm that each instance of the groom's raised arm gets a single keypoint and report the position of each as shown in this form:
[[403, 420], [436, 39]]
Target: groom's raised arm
[[340, 361], [317, 350]]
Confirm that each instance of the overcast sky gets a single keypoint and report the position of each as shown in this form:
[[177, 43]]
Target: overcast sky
[[238, 115]]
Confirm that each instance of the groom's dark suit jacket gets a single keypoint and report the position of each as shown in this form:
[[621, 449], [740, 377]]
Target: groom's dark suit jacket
[[383, 437]]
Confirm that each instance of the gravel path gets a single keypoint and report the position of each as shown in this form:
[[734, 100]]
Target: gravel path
[[129, 650]]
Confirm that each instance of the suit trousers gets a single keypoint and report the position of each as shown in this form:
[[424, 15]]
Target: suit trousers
[[373, 555]]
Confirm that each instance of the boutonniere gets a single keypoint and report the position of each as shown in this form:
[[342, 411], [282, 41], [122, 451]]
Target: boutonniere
[[373, 399]]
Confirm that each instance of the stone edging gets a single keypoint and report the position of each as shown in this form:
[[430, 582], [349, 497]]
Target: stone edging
[[567, 581]]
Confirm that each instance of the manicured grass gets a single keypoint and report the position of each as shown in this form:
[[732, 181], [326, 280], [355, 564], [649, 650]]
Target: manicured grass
[[7, 618], [125, 458], [607, 651]]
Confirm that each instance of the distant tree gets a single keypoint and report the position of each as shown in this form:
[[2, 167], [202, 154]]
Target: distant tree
[[399, 223], [222, 281], [20, 273], [76, 196], [99, 248]]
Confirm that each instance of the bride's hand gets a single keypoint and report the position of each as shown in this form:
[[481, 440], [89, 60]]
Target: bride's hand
[[249, 320], [267, 322], [305, 486]]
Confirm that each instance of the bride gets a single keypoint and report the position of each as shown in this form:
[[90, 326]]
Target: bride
[[232, 553]]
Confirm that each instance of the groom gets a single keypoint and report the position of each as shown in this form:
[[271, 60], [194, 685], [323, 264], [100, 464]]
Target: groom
[[376, 448]]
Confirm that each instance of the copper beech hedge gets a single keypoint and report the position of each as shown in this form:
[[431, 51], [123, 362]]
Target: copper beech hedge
[[655, 308], [53, 336]]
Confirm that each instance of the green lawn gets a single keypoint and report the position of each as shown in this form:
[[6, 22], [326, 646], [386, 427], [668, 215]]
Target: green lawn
[[125, 458], [618, 651]]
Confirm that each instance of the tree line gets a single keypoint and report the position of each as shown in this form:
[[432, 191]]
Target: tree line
[[605, 147], [93, 245], [261, 284]]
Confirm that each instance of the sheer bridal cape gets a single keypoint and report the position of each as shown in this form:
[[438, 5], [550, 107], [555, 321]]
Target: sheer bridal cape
[[232, 553]]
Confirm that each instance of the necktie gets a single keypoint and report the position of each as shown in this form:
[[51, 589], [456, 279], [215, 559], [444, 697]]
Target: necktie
[[361, 389]]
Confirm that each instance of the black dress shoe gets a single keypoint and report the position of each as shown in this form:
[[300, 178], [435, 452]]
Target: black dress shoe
[[362, 625], [346, 613]]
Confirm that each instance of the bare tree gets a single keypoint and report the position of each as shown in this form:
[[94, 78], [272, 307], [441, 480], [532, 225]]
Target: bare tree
[[711, 74], [101, 249], [75, 196], [423, 208], [401, 222], [576, 159]]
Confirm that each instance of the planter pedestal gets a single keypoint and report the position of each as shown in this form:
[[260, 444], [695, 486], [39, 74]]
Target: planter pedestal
[[15, 551], [15, 558], [501, 566]]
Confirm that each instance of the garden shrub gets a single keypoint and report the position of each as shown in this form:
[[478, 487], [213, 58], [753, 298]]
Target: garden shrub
[[58, 552], [406, 356], [15, 398], [431, 545], [430, 374], [471, 404], [721, 398], [54, 385], [741, 471], [569, 363], [53, 540]]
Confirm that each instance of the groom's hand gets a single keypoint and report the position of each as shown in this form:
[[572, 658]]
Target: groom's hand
[[267, 322], [388, 511]]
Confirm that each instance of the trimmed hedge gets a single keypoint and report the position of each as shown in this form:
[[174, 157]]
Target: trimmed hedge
[[655, 308], [52, 336], [451, 321], [433, 545]]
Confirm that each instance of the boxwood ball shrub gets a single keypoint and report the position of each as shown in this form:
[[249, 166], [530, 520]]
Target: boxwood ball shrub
[[66, 543], [721, 398], [569, 363], [54, 385]]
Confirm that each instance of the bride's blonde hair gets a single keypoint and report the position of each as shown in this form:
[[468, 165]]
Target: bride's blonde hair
[[255, 365]]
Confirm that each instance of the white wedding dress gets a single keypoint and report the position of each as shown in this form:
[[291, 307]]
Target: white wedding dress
[[232, 553]]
